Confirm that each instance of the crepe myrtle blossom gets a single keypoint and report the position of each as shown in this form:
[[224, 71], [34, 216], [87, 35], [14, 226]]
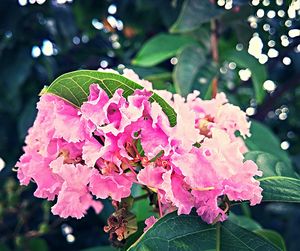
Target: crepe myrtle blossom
[[77, 156]]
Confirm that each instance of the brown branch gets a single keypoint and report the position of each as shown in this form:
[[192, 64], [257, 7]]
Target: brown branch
[[214, 40], [214, 50]]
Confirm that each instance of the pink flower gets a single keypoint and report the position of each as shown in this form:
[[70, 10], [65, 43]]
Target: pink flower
[[72, 202], [243, 186], [198, 172], [176, 192], [206, 203], [222, 153], [114, 185], [92, 150], [34, 166], [232, 118], [111, 142], [151, 176], [93, 108], [74, 198], [184, 131], [65, 121], [206, 107]]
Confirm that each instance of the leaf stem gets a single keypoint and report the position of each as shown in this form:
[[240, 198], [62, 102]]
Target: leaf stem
[[218, 237], [159, 206]]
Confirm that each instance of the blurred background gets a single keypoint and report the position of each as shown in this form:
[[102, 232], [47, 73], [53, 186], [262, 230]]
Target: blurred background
[[250, 48]]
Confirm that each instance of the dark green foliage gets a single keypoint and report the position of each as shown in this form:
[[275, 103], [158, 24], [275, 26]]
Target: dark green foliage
[[188, 232]]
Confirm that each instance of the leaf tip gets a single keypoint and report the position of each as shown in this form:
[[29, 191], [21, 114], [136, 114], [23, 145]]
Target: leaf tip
[[44, 90]]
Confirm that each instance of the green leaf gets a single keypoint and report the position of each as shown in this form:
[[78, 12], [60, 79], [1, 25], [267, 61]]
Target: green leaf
[[234, 237], [244, 222], [273, 237], [190, 61], [189, 232], [160, 48], [263, 139], [141, 208], [258, 71], [279, 181], [74, 88], [193, 14], [202, 35]]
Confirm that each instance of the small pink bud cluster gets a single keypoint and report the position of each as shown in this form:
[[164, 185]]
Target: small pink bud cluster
[[102, 148]]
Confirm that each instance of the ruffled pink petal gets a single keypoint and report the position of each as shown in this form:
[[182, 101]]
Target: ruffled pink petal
[[115, 186], [37, 168], [72, 202], [93, 109], [176, 192], [151, 176]]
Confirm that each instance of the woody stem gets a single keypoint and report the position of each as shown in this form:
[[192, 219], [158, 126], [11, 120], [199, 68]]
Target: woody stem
[[214, 50]]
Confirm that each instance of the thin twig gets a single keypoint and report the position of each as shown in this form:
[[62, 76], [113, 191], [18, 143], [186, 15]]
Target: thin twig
[[214, 51], [128, 165], [159, 206]]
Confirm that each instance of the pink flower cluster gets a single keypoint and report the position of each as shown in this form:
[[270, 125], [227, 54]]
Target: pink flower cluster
[[101, 149]]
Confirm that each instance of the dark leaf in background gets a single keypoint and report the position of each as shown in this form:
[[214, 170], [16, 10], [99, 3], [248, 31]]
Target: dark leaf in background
[[160, 80], [258, 71], [279, 181], [15, 69], [273, 237], [193, 14], [263, 139], [160, 48], [190, 61]]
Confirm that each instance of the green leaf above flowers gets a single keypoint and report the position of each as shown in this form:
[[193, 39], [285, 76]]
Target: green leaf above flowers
[[74, 88]]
